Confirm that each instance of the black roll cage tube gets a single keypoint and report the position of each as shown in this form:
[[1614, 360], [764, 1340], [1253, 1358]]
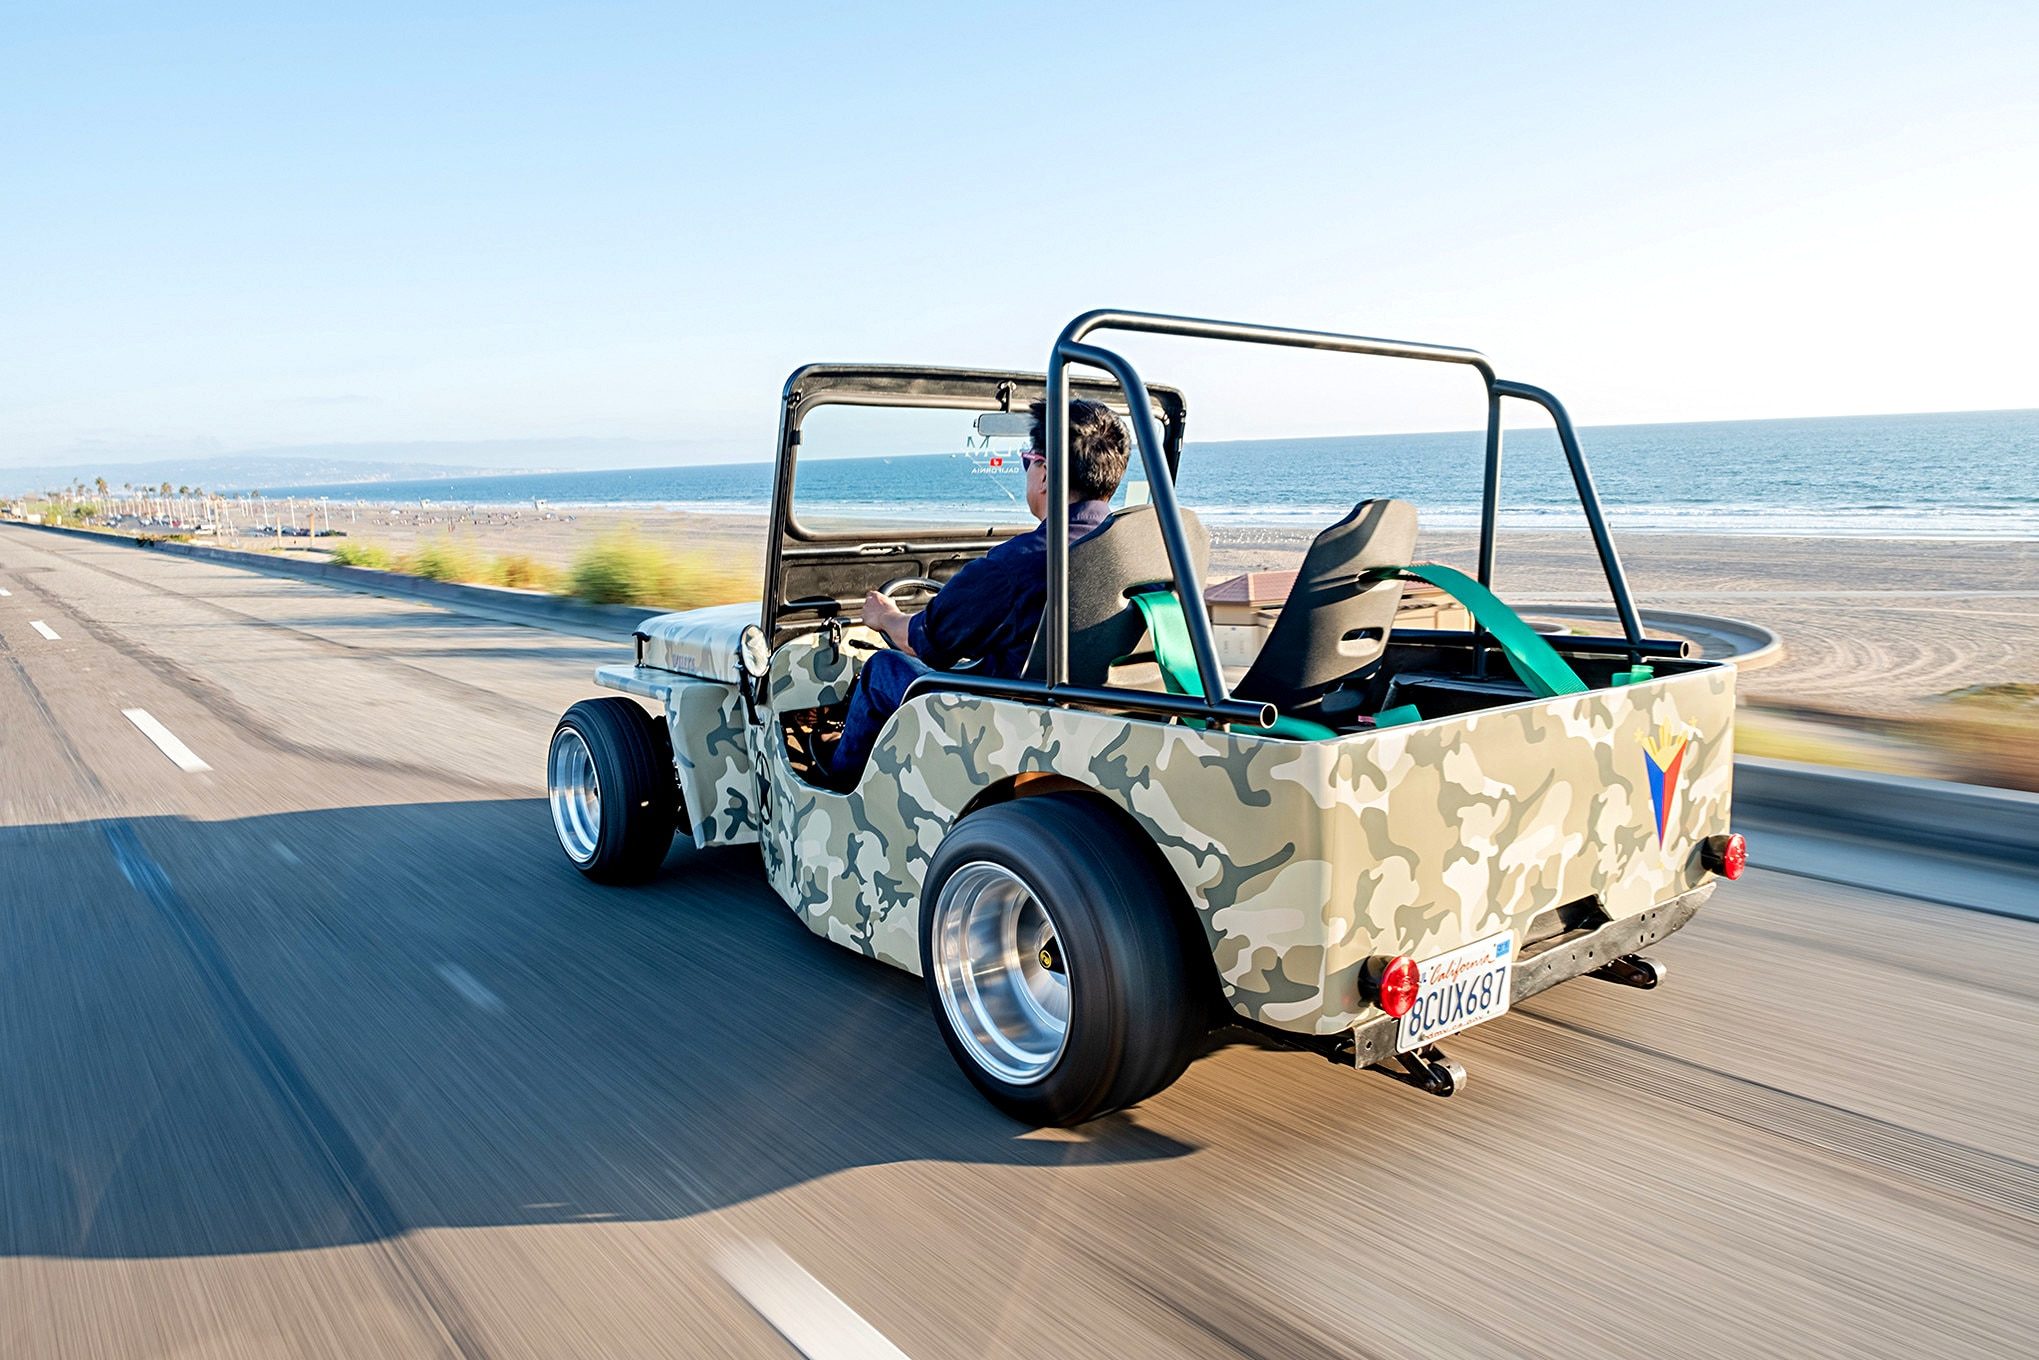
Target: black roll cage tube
[[1217, 704]]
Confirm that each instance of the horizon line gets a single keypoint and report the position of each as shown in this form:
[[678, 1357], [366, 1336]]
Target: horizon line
[[280, 451]]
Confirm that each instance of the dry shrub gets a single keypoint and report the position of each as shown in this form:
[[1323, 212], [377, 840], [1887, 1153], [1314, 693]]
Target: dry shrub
[[446, 559], [373, 556], [624, 567], [520, 571]]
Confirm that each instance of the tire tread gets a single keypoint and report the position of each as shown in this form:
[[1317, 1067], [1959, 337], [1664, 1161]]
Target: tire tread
[[633, 759], [1117, 903]]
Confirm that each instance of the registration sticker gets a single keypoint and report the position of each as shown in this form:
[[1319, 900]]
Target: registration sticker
[[1458, 990]]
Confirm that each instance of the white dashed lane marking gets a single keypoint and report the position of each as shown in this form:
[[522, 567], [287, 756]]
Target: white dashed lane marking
[[166, 741], [469, 986], [800, 1308], [44, 629]]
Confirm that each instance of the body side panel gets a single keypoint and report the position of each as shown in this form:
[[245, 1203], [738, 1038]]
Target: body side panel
[[1302, 859], [712, 757], [813, 672]]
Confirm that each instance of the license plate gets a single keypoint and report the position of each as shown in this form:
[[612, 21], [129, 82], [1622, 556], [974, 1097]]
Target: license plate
[[1458, 990]]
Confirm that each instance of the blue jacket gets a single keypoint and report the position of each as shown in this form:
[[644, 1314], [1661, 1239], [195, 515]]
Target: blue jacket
[[990, 610]]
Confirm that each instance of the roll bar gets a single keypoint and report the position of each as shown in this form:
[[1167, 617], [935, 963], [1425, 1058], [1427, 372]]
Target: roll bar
[[1216, 703]]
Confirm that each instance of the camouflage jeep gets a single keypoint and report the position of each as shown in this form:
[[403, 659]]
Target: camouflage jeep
[[1365, 840]]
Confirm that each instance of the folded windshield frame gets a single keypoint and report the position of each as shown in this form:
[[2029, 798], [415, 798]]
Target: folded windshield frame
[[909, 386]]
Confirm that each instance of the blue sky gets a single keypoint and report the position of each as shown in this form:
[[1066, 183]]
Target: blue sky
[[225, 227]]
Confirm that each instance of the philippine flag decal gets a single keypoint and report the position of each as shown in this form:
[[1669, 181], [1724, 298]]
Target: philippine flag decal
[[1664, 753]]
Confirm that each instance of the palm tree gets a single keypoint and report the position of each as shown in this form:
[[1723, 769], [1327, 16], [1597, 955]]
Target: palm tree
[[100, 482]]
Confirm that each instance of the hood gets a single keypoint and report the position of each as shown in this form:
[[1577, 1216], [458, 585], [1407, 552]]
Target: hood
[[700, 642]]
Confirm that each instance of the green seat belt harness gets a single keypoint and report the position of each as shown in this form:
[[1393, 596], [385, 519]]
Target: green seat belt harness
[[1532, 658], [1529, 655], [1162, 611]]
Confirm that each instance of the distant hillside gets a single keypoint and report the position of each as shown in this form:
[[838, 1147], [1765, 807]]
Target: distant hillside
[[328, 464], [228, 473]]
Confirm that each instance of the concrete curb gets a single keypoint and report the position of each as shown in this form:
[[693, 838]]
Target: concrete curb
[[612, 621], [1963, 819]]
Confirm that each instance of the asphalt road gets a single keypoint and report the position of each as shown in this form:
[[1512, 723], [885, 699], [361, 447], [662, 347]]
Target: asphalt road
[[324, 1050]]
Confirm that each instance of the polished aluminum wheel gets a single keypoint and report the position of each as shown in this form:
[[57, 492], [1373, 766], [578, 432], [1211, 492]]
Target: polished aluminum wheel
[[576, 795], [1000, 970]]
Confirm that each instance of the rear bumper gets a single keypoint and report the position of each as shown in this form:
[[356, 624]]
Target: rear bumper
[[1549, 962]]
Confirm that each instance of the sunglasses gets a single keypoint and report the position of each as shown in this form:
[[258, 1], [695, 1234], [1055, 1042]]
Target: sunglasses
[[1031, 459]]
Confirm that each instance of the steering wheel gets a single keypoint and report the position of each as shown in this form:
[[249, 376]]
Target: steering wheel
[[898, 583]]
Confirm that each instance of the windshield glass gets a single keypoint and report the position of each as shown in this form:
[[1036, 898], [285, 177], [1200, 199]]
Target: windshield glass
[[861, 466]]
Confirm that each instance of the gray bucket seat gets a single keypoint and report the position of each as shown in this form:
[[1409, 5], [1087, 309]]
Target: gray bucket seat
[[1115, 561], [1335, 624]]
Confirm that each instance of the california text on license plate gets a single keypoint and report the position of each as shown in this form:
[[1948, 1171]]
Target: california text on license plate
[[1458, 990]]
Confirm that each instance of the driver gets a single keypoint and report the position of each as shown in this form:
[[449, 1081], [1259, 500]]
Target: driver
[[985, 617]]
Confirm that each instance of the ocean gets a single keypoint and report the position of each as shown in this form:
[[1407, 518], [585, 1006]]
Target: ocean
[[1971, 475]]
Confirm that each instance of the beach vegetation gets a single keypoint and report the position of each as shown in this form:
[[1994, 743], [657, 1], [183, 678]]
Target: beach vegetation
[[624, 567], [450, 558], [447, 559], [371, 555], [1986, 734], [74, 514], [2010, 695], [521, 571], [1810, 741]]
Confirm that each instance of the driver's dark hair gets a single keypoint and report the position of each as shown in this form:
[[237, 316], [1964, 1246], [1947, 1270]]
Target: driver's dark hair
[[1098, 447]]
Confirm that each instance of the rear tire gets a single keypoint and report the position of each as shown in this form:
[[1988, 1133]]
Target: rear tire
[[612, 791], [1051, 909]]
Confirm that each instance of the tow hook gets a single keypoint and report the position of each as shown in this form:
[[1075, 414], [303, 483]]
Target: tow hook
[[1428, 1068], [1633, 970]]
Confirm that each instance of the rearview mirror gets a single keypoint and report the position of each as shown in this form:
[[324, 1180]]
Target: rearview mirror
[[1005, 425]]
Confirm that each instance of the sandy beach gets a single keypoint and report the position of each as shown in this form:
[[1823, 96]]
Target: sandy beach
[[1874, 627]]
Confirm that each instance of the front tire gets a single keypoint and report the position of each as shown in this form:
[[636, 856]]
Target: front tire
[[1059, 960], [609, 781]]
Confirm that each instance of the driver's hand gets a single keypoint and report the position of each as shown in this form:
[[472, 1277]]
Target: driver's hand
[[880, 612]]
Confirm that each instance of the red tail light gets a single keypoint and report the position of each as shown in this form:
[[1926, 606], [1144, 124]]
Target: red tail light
[[1397, 988], [1725, 855]]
